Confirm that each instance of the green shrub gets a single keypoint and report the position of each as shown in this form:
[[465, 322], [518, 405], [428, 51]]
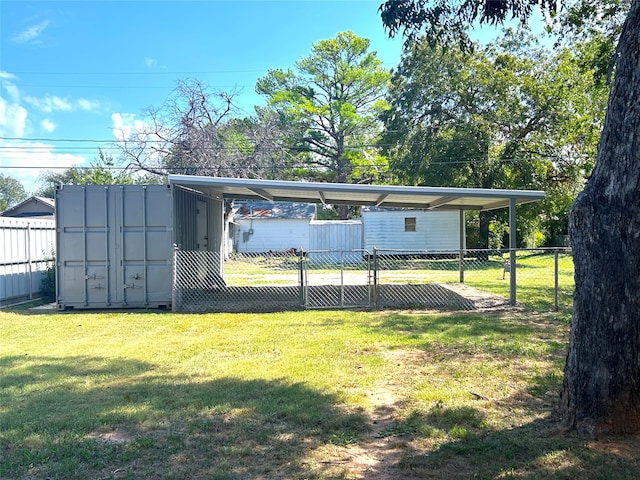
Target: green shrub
[[48, 282]]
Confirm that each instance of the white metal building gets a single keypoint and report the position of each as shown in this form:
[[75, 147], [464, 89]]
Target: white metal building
[[271, 226], [407, 229]]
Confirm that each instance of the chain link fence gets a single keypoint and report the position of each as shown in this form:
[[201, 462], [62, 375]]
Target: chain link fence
[[455, 280]]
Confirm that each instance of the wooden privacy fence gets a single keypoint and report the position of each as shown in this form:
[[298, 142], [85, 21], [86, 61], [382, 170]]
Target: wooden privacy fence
[[27, 247]]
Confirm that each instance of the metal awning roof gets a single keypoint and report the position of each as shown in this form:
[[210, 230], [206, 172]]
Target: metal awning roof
[[365, 195]]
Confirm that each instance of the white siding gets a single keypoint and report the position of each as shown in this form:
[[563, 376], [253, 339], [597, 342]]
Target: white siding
[[335, 235], [275, 234], [434, 230], [335, 238], [25, 246]]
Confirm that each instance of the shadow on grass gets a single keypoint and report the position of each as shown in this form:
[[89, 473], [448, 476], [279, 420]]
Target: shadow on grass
[[454, 443], [86, 417], [536, 450]]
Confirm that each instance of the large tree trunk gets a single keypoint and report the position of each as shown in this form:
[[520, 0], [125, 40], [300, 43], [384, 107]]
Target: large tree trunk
[[601, 393]]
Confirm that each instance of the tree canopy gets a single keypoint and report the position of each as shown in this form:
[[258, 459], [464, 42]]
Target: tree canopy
[[11, 192], [101, 172], [332, 101], [196, 132], [509, 115]]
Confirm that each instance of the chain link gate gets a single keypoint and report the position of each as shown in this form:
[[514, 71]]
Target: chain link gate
[[315, 279], [337, 279]]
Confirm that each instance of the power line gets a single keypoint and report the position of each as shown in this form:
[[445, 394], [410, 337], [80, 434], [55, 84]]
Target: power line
[[166, 72], [115, 141], [154, 73], [125, 87], [301, 165]]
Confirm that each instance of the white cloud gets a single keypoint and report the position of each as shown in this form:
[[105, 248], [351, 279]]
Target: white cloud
[[87, 105], [25, 161], [48, 125], [13, 119], [150, 62], [13, 92], [30, 34], [125, 126], [53, 103], [11, 89], [50, 103]]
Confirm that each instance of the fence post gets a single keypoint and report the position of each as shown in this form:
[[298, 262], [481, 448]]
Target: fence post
[[29, 261], [375, 278], [556, 280], [174, 286], [461, 245], [301, 277]]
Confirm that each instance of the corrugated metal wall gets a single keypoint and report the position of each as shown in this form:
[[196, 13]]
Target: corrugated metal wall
[[114, 246], [271, 234], [185, 220], [434, 230], [335, 237], [26, 248]]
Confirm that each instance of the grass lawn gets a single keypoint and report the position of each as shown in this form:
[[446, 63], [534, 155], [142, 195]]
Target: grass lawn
[[314, 394]]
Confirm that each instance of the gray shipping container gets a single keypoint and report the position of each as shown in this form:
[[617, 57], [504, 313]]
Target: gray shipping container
[[114, 246]]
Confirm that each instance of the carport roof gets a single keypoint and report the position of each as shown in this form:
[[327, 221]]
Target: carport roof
[[349, 194]]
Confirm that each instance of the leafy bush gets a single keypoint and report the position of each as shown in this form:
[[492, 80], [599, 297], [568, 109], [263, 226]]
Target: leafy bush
[[48, 282]]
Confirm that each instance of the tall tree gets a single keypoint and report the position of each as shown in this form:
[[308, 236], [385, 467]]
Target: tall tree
[[195, 133], [601, 392], [332, 100], [11, 192], [509, 115]]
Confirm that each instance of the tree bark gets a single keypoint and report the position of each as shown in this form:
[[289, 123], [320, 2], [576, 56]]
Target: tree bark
[[601, 391]]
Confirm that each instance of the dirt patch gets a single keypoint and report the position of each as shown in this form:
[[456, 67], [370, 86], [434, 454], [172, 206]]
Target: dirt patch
[[115, 437], [373, 457], [627, 448], [377, 455], [479, 298]]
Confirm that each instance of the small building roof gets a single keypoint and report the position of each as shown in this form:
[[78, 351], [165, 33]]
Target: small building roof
[[32, 207], [348, 194], [253, 209]]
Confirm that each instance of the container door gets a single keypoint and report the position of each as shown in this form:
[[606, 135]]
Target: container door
[[84, 252], [145, 246], [202, 239], [114, 246]]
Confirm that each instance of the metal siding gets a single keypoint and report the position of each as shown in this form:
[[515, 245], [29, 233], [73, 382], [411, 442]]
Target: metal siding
[[185, 232], [443, 230], [26, 247], [275, 234], [335, 235], [114, 246], [434, 230]]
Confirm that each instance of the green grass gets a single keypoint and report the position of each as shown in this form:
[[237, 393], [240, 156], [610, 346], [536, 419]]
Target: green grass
[[289, 395]]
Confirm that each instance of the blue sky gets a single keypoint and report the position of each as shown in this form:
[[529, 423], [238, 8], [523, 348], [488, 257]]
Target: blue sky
[[75, 70]]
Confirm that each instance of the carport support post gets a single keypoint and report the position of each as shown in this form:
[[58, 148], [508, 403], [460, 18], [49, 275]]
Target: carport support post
[[512, 251], [461, 257]]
